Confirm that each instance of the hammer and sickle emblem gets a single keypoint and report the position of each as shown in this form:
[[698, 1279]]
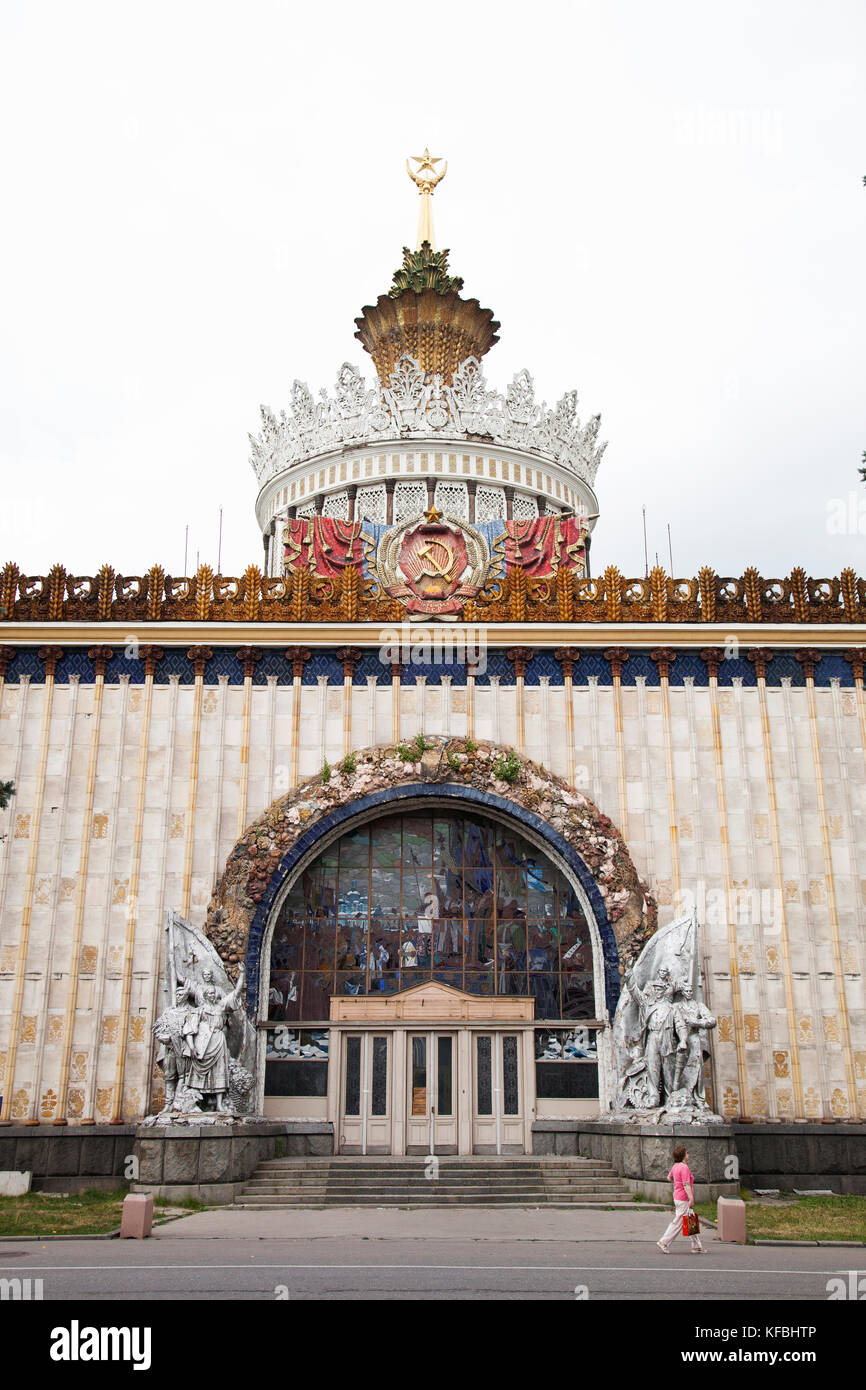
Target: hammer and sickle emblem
[[433, 553]]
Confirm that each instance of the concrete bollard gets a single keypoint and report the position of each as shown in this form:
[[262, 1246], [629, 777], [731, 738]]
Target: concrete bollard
[[137, 1216], [732, 1220]]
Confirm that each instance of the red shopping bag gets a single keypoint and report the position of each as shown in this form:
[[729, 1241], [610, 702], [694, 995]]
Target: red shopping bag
[[691, 1223]]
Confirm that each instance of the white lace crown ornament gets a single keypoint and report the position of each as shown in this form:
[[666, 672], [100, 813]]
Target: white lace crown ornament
[[411, 406]]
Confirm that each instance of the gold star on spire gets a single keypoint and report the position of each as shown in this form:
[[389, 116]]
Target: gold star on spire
[[426, 161], [426, 179]]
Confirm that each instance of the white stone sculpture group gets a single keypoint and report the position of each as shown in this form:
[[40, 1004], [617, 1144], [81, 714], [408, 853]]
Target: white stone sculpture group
[[204, 1034], [659, 1033]]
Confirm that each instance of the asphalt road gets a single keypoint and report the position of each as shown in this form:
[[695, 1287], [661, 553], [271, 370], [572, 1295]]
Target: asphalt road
[[387, 1254]]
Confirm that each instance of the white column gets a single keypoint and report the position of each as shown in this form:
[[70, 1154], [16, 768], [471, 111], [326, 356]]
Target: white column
[[271, 738], [323, 718], [446, 705], [595, 771], [110, 862], [494, 707], [649, 826], [165, 899], [214, 849], [420, 693], [15, 777], [753, 981], [372, 683], [544, 682], [809, 926], [49, 963]]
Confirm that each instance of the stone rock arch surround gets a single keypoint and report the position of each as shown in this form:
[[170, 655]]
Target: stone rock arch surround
[[445, 770]]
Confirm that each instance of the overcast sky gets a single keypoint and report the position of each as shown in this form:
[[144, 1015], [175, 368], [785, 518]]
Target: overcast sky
[[663, 204]]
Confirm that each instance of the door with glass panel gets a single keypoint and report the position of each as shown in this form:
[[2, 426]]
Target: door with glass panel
[[431, 1119], [365, 1121], [497, 1093]]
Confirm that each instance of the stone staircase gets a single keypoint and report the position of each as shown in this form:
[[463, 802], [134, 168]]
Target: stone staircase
[[403, 1182]]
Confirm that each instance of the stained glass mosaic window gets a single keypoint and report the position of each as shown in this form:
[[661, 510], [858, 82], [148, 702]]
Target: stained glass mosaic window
[[426, 895]]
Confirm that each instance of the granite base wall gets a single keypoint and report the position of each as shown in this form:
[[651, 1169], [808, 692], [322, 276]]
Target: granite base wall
[[214, 1162], [769, 1155], [641, 1154], [71, 1158], [810, 1155]]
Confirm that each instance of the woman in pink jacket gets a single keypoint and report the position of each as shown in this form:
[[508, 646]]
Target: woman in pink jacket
[[684, 1202]]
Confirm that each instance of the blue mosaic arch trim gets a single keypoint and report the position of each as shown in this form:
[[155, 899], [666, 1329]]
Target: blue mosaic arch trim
[[324, 663], [447, 791]]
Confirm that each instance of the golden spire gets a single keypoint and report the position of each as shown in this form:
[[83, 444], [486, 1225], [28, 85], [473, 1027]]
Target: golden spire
[[423, 314], [426, 178]]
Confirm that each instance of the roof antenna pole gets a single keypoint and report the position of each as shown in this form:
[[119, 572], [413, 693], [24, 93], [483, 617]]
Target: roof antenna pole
[[220, 544], [670, 551], [645, 552]]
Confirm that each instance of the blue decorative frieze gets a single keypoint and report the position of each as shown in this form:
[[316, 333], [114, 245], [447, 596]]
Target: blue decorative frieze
[[423, 659]]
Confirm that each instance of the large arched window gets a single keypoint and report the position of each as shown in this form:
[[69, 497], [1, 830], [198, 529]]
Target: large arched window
[[430, 894]]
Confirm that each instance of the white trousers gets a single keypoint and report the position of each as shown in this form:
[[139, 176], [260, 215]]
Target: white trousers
[[676, 1227]]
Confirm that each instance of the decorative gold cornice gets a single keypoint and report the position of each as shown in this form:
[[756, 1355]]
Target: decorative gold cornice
[[303, 597]]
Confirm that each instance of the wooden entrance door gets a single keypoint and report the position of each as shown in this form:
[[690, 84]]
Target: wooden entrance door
[[366, 1093], [498, 1085], [432, 1090]]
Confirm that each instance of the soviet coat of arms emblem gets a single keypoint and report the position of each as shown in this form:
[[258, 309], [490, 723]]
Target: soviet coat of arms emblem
[[432, 565]]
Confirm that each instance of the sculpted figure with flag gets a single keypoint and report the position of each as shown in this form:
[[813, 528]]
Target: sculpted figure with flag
[[660, 1033], [207, 1043]]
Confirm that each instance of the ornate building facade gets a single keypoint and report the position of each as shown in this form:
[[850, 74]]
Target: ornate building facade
[[431, 782]]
